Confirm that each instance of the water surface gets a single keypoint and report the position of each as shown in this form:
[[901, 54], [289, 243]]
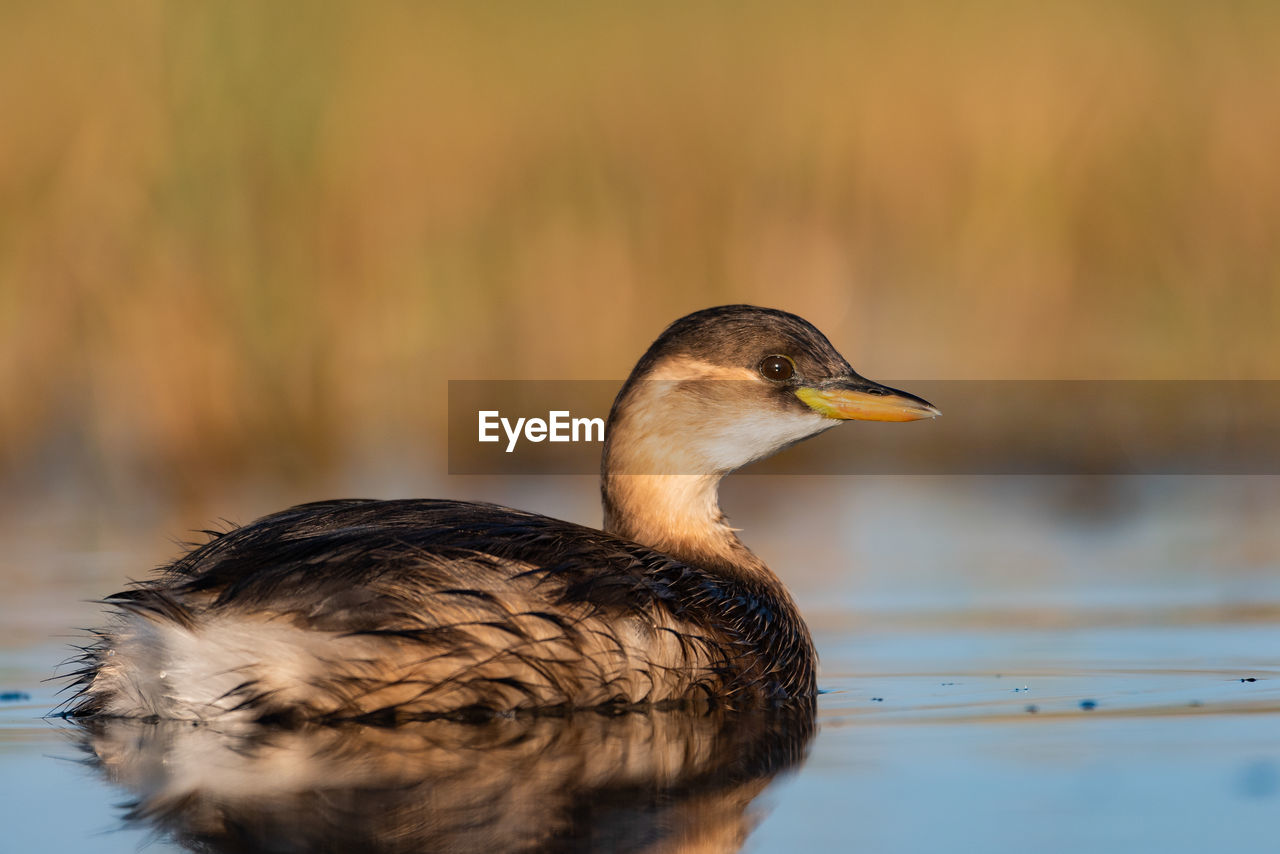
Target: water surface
[[1006, 665]]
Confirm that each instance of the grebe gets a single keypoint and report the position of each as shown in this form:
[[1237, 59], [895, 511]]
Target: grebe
[[419, 608]]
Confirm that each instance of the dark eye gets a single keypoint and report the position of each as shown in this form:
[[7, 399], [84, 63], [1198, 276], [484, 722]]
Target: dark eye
[[776, 368]]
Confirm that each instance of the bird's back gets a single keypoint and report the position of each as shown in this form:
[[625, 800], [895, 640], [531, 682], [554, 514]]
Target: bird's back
[[413, 608]]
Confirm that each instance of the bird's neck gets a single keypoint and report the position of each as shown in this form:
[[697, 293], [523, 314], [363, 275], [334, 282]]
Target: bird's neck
[[678, 515], [664, 457]]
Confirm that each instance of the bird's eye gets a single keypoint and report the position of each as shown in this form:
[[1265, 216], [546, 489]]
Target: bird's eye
[[777, 368]]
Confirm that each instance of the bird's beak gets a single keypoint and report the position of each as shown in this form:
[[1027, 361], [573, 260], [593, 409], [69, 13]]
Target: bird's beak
[[855, 398]]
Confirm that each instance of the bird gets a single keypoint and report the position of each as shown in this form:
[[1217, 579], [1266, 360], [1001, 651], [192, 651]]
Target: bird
[[392, 610]]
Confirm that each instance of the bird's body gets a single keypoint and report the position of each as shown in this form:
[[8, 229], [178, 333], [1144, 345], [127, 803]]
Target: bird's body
[[319, 611], [355, 609]]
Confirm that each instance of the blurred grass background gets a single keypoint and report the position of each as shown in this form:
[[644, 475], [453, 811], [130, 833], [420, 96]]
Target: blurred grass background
[[254, 240]]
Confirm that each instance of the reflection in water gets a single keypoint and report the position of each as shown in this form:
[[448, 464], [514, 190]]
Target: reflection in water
[[654, 781]]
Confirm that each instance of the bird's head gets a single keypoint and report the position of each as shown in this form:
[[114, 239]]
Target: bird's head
[[725, 386]]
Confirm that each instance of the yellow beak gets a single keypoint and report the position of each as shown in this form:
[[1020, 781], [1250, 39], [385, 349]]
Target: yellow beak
[[862, 400]]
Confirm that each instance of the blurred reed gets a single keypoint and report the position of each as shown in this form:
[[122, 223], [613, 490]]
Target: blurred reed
[[259, 237]]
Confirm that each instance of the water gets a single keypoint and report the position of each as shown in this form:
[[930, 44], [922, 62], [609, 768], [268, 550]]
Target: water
[[1008, 665]]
